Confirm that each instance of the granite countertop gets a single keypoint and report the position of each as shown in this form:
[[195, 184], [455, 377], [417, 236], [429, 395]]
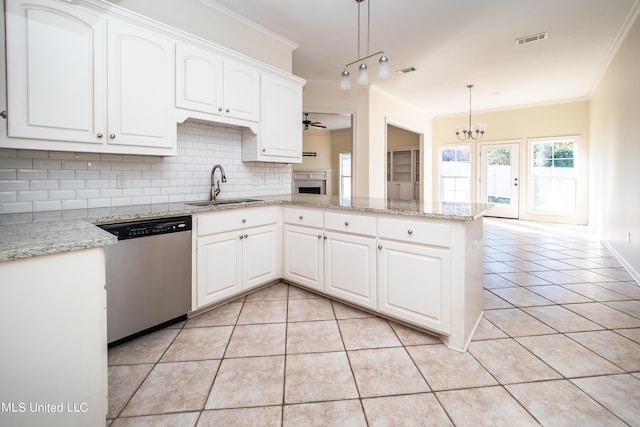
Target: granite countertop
[[25, 235]]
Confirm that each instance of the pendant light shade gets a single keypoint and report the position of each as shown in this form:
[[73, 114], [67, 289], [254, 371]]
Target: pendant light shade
[[383, 67], [363, 74], [345, 82]]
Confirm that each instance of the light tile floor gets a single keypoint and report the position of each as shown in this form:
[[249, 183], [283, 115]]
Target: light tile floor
[[559, 345]]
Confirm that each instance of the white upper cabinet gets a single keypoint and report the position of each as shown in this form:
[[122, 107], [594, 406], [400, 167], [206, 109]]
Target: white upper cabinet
[[210, 84], [79, 81], [140, 87], [56, 72], [280, 136], [198, 79]]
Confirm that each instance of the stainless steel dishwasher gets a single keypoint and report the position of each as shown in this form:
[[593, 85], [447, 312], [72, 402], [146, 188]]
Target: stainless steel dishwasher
[[148, 278]]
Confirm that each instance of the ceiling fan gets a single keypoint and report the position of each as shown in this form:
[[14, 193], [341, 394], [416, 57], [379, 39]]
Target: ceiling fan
[[306, 122]]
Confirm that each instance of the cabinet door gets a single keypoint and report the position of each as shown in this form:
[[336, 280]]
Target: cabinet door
[[241, 91], [198, 79], [405, 191], [303, 256], [350, 268], [415, 284], [219, 266], [261, 255], [140, 93], [281, 124], [55, 72]]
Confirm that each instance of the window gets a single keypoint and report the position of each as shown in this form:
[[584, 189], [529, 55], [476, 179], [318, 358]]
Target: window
[[553, 175], [345, 175], [455, 173]]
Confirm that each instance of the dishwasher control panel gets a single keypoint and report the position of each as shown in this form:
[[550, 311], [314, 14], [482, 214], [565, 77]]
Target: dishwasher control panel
[[148, 227]]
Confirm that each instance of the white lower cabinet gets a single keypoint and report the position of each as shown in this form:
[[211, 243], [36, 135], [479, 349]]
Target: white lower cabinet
[[303, 256], [219, 271], [414, 284], [350, 268], [229, 262]]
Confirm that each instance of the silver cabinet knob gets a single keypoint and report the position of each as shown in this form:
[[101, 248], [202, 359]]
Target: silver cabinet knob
[[99, 135], [226, 111], [112, 136], [346, 223], [219, 108], [244, 220], [379, 246], [3, 114], [319, 236], [241, 237], [325, 237], [409, 231], [264, 149], [301, 217], [245, 236]]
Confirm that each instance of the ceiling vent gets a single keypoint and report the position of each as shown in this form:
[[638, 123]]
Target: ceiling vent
[[532, 38], [406, 70]]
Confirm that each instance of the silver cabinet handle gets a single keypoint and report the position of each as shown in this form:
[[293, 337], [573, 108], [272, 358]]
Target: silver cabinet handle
[[219, 108], [319, 236], [325, 237], [346, 223], [99, 135], [112, 136], [246, 236], [244, 220], [409, 231], [3, 114], [301, 217], [226, 111], [379, 246], [241, 237], [264, 149]]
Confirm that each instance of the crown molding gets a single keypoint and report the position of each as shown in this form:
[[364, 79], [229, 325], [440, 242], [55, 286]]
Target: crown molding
[[217, 7]]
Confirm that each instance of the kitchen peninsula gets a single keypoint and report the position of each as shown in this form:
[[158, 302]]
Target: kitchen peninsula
[[417, 263]]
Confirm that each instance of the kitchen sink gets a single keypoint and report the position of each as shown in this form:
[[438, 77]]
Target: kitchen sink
[[221, 202]]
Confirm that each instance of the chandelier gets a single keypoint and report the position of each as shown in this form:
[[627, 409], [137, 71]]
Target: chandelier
[[363, 72], [468, 132]]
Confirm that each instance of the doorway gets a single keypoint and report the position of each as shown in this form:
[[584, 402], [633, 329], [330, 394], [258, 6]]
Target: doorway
[[499, 166]]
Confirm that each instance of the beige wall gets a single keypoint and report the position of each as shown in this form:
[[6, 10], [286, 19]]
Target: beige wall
[[400, 138], [320, 142], [615, 152], [566, 119], [205, 22]]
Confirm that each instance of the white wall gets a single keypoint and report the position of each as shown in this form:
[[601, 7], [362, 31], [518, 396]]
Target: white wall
[[615, 152], [387, 109], [203, 21], [51, 180]]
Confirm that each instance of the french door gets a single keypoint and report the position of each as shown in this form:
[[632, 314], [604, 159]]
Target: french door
[[499, 185]]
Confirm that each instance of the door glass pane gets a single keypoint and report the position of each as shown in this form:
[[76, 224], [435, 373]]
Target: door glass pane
[[499, 177], [345, 175]]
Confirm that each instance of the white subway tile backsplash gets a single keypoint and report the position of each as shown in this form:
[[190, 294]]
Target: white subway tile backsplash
[[32, 180]]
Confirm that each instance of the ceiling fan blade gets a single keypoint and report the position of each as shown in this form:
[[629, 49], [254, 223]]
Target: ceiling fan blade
[[318, 125]]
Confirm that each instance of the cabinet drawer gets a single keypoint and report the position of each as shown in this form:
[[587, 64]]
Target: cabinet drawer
[[350, 223], [425, 233], [306, 217], [233, 219]]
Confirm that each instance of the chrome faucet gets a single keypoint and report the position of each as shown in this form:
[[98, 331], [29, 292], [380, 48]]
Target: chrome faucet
[[215, 185]]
